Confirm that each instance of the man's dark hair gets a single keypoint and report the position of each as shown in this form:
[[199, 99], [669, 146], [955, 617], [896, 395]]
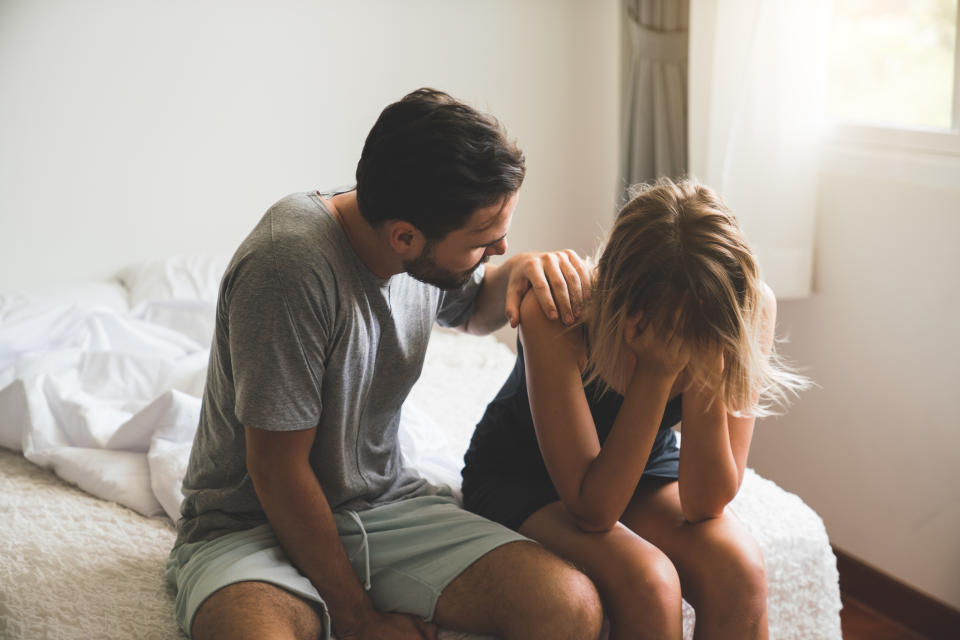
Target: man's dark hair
[[432, 161]]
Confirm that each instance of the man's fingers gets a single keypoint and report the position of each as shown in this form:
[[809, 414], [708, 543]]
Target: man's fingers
[[512, 305], [557, 279], [537, 277], [545, 297], [582, 270], [515, 291], [574, 283], [428, 629], [558, 292]]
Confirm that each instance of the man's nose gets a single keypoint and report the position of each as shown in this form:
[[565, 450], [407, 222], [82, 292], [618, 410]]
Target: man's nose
[[497, 249]]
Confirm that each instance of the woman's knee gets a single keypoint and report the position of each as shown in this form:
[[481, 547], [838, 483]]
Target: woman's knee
[[746, 571], [733, 575], [641, 592], [653, 577]]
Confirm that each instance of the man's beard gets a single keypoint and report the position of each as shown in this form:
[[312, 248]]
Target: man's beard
[[425, 269]]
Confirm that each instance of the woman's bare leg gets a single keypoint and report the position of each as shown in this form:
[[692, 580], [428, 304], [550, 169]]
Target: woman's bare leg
[[638, 585], [720, 565]]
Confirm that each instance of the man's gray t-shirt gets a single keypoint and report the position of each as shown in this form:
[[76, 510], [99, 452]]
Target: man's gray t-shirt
[[306, 335]]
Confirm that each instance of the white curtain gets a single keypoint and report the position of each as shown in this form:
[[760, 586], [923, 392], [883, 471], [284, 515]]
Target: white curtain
[[655, 100], [757, 82]]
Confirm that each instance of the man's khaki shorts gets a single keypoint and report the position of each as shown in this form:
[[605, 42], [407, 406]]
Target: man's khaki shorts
[[405, 553]]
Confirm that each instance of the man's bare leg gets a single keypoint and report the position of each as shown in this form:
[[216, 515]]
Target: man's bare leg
[[521, 591], [256, 610], [517, 591]]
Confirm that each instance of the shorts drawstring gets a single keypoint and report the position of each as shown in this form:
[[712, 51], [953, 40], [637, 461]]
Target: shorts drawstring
[[365, 544]]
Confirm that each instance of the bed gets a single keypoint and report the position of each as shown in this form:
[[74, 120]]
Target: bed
[[99, 397]]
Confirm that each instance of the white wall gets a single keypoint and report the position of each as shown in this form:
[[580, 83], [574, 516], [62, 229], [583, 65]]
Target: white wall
[[134, 129], [876, 449]]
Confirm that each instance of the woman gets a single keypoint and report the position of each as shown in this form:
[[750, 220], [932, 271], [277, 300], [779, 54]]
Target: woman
[[577, 451]]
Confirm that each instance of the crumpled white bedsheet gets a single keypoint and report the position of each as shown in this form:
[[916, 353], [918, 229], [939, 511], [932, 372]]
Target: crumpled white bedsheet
[[108, 399], [107, 395]]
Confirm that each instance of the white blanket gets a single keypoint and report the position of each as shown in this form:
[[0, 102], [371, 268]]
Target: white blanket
[[105, 398]]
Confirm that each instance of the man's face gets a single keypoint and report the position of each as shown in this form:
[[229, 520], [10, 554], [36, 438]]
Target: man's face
[[449, 263]]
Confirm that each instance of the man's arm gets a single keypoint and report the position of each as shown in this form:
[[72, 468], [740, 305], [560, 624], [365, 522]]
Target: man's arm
[[298, 511], [559, 279]]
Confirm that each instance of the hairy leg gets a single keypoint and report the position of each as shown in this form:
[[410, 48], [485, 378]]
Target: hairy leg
[[256, 610], [638, 584], [520, 591], [720, 564]]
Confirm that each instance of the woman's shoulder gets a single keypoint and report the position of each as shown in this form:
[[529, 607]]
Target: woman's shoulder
[[767, 298], [540, 333], [768, 306]]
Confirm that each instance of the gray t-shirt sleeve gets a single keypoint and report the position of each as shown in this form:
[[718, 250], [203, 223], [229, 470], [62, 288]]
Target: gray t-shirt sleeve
[[278, 326], [457, 305]]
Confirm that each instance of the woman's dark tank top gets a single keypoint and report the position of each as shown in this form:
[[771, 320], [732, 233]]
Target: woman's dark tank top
[[505, 441]]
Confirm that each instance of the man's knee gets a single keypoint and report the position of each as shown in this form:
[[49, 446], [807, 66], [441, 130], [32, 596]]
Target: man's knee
[[578, 610], [522, 591], [569, 606], [256, 610]]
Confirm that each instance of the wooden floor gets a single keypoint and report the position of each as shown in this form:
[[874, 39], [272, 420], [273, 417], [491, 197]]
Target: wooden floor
[[860, 622]]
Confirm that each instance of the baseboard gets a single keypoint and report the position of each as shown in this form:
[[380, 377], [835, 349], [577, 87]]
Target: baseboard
[[913, 609]]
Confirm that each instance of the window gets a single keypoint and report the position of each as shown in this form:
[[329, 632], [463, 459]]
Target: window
[[893, 76]]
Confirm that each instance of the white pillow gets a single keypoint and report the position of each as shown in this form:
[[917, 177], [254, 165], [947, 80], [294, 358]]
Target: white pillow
[[190, 277]]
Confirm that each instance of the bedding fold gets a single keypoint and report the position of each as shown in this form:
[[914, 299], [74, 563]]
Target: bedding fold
[[107, 398]]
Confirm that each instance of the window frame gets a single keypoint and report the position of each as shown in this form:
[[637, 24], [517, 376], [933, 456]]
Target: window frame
[[921, 139]]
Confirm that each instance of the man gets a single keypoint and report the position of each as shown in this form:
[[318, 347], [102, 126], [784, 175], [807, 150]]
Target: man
[[299, 517]]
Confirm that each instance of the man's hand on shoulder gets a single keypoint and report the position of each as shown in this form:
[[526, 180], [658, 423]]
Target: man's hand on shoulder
[[560, 280]]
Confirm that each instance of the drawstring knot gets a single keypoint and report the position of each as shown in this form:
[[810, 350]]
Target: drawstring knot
[[364, 544]]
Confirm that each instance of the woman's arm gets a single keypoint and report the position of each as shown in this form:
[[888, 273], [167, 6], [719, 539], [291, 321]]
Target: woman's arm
[[595, 484], [716, 443]]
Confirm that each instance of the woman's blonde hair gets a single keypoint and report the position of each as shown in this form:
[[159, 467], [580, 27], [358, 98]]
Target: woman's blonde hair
[[677, 259]]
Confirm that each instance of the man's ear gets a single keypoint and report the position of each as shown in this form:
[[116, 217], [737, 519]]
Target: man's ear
[[405, 239]]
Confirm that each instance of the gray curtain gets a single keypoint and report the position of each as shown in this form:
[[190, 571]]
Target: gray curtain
[[655, 100]]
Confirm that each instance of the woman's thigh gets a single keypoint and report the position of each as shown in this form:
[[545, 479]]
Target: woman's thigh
[[619, 561]]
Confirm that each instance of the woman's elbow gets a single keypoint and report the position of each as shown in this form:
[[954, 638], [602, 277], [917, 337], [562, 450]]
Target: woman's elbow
[[595, 525], [592, 519], [707, 503], [704, 508], [697, 515]]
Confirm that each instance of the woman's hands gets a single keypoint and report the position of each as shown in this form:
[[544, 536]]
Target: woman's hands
[[664, 352]]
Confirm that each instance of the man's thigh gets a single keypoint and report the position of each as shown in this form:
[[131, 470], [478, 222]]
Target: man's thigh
[[256, 610], [232, 567], [409, 552], [417, 548], [430, 557], [500, 586]]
